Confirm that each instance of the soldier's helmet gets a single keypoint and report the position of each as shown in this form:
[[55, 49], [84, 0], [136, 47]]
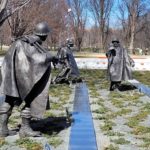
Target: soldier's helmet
[[69, 42], [115, 40], [42, 29]]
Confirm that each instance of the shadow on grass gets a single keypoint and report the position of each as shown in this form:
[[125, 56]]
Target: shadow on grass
[[126, 87], [50, 125]]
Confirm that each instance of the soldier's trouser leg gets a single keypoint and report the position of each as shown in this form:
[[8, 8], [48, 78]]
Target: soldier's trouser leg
[[118, 84], [26, 130], [5, 112], [111, 86]]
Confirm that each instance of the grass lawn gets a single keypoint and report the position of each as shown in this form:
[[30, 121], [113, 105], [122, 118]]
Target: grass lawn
[[121, 115]]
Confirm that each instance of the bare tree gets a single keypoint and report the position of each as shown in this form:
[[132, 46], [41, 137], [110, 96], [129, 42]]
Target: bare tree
[[24, 20], [55, 16], [133, 22], [21, 22], [17, 24], [7, 8], [101, 10], [147, 32], [90, 40], [53, 12], [78, 16], [3, 11]]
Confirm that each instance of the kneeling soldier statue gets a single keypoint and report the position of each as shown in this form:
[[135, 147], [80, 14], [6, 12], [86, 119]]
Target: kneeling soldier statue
[[69, 69], [25, 77]]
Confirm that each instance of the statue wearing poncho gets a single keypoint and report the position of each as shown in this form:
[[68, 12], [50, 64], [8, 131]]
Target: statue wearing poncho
[[119, 64], [69, 69], [26, 77]]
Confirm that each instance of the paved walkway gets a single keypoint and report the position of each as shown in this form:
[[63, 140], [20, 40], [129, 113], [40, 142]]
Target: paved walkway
[[82, 136], [99, 61], [141, 87]]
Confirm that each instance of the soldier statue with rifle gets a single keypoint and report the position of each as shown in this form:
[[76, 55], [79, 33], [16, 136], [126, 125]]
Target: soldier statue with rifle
[[26, 73], [69, 70]]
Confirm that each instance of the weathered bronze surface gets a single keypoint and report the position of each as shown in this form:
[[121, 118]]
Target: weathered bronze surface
[[26, 77], [69, 69], [119, 64]]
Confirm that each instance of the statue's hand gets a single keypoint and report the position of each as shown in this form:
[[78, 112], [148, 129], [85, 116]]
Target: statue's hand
[[55, 61], [132, 64]]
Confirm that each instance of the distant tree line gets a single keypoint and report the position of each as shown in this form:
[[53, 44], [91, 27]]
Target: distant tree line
[[71, 19]]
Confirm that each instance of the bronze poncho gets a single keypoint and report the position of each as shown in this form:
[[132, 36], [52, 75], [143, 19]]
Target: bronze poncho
[[26, 71], [66, 57], [119, 64]]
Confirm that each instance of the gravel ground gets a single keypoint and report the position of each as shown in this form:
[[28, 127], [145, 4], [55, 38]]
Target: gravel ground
[[55, 129], [121, 119]]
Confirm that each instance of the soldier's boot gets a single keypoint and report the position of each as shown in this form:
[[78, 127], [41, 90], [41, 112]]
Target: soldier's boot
[[115, 86], [118, 86], [112, 86], [26, 130], [5, 112]]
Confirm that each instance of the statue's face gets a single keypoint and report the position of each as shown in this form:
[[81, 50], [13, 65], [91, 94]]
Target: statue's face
[[71, 45], [43, 38], [116, 44]]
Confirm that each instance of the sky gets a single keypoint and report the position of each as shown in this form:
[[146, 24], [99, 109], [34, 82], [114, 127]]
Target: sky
[[90, 18], [114, 22], [113, 17]]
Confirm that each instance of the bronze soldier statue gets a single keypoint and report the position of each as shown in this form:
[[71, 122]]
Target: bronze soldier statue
[[26, 77], [69, 69], [119, 64]]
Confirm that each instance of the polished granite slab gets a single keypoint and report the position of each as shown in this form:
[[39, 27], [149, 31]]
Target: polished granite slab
[[82, 136]]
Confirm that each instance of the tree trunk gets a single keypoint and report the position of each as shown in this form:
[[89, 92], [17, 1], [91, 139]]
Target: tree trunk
[[131, 45], [133, 27]]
